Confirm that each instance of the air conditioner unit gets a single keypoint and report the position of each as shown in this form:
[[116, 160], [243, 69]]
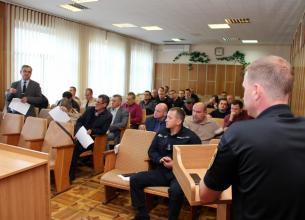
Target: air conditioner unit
[[176, 48]]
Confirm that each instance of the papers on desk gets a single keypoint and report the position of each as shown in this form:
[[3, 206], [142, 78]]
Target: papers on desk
[[84, 138], [19, 106], [59, 115]]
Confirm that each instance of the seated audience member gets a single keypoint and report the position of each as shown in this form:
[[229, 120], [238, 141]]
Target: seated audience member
[[162, 98], [230, 99], [96, 121], [222, 110], [161, 155], [68, 95], [188, 106], [72, 89], [223, 95], [157, 122], [199, 123], [27, 90], [213, 102], [147, 103], [154, 94], [66, 105], [119, 118], [89, 99], [237, 114], [181, 94], [134, 110], [194, 96], [177, 102], [188, 95]]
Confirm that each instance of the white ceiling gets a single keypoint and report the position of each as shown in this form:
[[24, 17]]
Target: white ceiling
[[272, 21]]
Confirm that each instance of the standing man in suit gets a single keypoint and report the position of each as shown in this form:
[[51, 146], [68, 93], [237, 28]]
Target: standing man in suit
[[26, 89], [96, 121], [119, 118]]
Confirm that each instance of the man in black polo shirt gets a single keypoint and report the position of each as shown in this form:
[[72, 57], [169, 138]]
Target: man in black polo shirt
[[262, 158], [161, 154], [97, 121]]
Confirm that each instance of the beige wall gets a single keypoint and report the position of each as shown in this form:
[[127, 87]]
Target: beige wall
[[252, 52]]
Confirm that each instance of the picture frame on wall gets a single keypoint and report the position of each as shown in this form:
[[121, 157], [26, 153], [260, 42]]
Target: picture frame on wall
[[219, 51]]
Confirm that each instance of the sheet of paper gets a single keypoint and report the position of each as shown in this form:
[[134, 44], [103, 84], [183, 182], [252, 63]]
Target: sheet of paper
[[18, 106], [59, 115], [84, 139], [124, 178]]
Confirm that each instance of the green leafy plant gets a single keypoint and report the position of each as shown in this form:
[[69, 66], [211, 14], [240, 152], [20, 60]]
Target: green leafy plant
[[236, 57], [195, 57]]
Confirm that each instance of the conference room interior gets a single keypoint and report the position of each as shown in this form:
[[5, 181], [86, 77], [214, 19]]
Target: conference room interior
[[117, 47]]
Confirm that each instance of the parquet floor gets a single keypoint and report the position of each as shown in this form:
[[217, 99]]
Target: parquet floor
[[83, 202]]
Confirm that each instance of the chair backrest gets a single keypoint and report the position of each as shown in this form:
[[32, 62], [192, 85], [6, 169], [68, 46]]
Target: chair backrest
[[214, 141], [55, 136], [132, 156], [33, 128], [143, 116], [44, 113], [196, 156], [219, 121], [209, 110], [11, 123]]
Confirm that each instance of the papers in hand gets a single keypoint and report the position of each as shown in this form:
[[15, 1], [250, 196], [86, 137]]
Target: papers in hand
[[126, 177], [59, 115], [19, 106], [84, 138]]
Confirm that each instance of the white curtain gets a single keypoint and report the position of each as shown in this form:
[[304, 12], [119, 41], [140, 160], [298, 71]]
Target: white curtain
[[107, 63], [50, 46], [141, 66]]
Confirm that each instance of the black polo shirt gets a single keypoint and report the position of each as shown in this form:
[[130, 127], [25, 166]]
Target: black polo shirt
[[163, 143], [264, 160]]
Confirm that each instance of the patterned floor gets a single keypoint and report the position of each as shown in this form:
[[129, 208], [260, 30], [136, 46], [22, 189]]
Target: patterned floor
[[83, 202]]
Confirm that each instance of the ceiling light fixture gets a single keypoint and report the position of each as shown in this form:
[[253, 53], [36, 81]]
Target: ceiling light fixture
[[219, 26], [125, 25], [176, 39], [230, 39], [249, 41], [70, 7], [237, 20], [84, 1], [152, 28]]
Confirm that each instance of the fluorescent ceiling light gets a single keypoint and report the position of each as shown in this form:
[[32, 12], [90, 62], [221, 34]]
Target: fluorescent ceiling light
[[124, 25], [83, 1], [176, 39], [249, 41], [219, 26], [70, 7], [152, 28]]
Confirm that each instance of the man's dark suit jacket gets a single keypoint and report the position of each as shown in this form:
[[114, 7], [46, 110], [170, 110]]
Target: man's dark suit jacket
[[151, 124], [33, 94], [120, 121], [98, 124]]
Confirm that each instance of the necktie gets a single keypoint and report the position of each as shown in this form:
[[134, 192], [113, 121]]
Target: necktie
[[87, 104], [24, 87]]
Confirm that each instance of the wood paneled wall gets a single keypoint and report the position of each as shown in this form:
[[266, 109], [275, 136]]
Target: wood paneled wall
[[205, 79], [297, 57], [2, 55]]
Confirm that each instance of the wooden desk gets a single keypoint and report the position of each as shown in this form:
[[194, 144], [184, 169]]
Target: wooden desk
[[195, 159], [24, 184]]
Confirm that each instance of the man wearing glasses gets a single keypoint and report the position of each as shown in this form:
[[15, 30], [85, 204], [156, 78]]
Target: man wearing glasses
[[97, 121]]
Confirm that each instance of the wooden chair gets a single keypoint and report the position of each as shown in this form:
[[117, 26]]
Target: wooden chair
[[60, 148], [11, 126], [100, 143], [209, 110], [44, 113], [32, 133], [214, 141], [219, 121], [143, 116], [196, 159], [130, 159]]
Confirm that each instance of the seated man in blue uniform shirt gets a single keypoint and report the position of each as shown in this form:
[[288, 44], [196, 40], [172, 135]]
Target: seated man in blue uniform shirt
[[161, 154], [157, 122], [262, 159]]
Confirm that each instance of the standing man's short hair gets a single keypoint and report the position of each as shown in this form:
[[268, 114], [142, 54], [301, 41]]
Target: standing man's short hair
[[179, 113]]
